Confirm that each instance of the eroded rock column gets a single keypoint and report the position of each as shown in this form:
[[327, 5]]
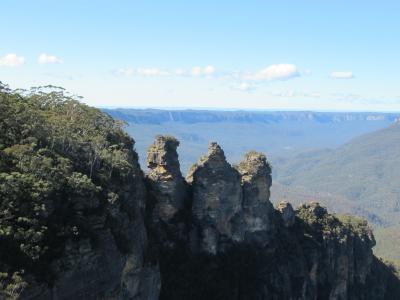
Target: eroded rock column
[[168, 186], [258, 211], [217, 198]]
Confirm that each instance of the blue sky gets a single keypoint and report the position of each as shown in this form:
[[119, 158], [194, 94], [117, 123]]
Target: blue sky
[[319, 55]]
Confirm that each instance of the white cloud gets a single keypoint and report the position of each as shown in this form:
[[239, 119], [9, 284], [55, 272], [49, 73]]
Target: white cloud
[[203, 71], [12, 60], [342, 75], [274, 72], [209, 70], [48, 59], [145, 72]]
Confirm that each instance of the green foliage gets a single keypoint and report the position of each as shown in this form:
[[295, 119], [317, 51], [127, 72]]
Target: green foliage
[[59, 162], [356, 224], [329, 226]]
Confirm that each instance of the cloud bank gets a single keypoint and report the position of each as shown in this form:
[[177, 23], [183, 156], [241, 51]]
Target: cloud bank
[[12, 60]]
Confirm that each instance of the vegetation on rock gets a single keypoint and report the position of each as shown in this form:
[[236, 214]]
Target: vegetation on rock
[[60, 162]]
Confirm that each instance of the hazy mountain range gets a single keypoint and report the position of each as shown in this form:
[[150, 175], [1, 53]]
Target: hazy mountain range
[[278, 134]]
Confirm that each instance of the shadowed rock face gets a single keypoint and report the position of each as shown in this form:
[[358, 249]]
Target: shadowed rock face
[[287, 213], [114, 266], [344, 260], [257, 209], [217, 199], [168, 186], [274, 254]]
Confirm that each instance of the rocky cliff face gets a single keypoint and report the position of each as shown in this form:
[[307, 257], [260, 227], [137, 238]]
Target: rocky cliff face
[[111, 263], [232, 243]]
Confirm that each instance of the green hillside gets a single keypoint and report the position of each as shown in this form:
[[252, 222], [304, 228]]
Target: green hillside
[[388, 243], [366, 170], [360, 177]]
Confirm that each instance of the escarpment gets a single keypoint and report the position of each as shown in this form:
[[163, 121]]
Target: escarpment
[[80, 220]]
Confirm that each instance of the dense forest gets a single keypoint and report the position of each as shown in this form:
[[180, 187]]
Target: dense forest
[[60, 161]]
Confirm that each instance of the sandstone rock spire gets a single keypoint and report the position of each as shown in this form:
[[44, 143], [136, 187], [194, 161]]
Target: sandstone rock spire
[[258, 211], [217, 198], [167, 183]]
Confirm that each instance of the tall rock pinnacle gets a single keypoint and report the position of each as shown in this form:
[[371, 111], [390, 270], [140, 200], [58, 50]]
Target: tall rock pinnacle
[[217, 198], [167, 183], [257, 209]]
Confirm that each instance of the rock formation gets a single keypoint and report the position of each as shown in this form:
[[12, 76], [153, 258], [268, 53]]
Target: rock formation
[[258, 211], [245, 249], [287, 212], [217, 199], [168, 186]]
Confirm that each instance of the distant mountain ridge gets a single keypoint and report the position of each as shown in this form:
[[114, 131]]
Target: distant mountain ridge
[[158, 116], [275, 133]]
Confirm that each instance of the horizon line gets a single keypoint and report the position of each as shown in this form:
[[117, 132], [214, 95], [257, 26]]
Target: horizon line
[[227, 109]]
